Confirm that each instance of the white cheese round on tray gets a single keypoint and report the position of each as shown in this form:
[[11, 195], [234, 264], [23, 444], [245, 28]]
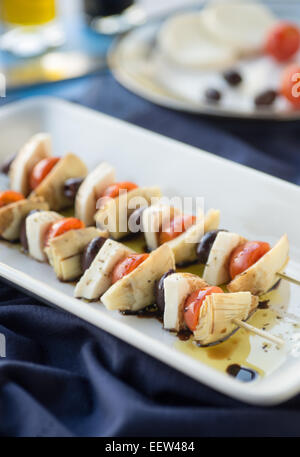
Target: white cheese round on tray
[[185, 40], [241, 24]]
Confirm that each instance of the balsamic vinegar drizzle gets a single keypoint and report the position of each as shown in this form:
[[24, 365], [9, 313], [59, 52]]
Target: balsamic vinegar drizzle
[[149, 311], [241, 373], [184, 334], [263, 304]]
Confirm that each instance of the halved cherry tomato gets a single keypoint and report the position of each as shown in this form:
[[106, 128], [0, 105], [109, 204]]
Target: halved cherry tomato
[[62, 226], [290, 84], [41, 170], [178, 225], [193, 304], [283, 41], [113, 190], [246, 255], [127, 265], [10, 196]]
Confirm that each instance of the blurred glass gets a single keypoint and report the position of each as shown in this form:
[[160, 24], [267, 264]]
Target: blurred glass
[[27, 12], [100, 8], [30, 27], [113, 16]]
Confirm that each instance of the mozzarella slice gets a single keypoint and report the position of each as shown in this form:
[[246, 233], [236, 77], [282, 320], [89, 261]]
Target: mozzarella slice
[[261, 276], [11, 216], [217, 314], [114, 215], [97, 279], [36, 149], [240, 24], [177, 287], [52, 187], [136, 290], [216, 271], [185, 40], [92, 188], [37, 225], [153, 218]]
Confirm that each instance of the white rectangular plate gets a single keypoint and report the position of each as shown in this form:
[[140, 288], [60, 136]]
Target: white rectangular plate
[[252, 203]]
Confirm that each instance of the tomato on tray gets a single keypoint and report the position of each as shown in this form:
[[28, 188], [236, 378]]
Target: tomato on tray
[[290, 84], [283, 41], [246, 255], [193, 304], [62, 226], [113, 190], [10, 196], [127, 265], [41, 170], [178, 225]]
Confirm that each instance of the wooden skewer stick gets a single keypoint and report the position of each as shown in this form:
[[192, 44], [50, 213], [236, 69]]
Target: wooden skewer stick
[[278, 341], [288, 278]]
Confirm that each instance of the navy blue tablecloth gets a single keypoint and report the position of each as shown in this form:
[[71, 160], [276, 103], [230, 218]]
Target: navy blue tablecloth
[[63, 377]]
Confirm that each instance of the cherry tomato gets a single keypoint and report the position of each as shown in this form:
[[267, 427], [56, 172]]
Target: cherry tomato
[[283, 41], [10, 196], [62, 226], [290, 84], [41, 170], [246, 255], [113, 190], [193, 304], [178, 225], [127, 265]]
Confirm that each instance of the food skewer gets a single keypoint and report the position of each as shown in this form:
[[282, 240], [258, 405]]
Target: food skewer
[[35, 172], [241, 264], [189, 303], [86, 285], [263, 333], [288, 278]]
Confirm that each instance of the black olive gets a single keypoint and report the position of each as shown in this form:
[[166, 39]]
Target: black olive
[[160, 293], [90, 252], [213, 95], [265, 98], [23, 234], [135, 221], [5, 167], [242, 373], [71, 187], [233, 77], [205, 245]]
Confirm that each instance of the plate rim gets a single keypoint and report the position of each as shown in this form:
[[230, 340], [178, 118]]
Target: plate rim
[[247, 393], [128, 81]]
